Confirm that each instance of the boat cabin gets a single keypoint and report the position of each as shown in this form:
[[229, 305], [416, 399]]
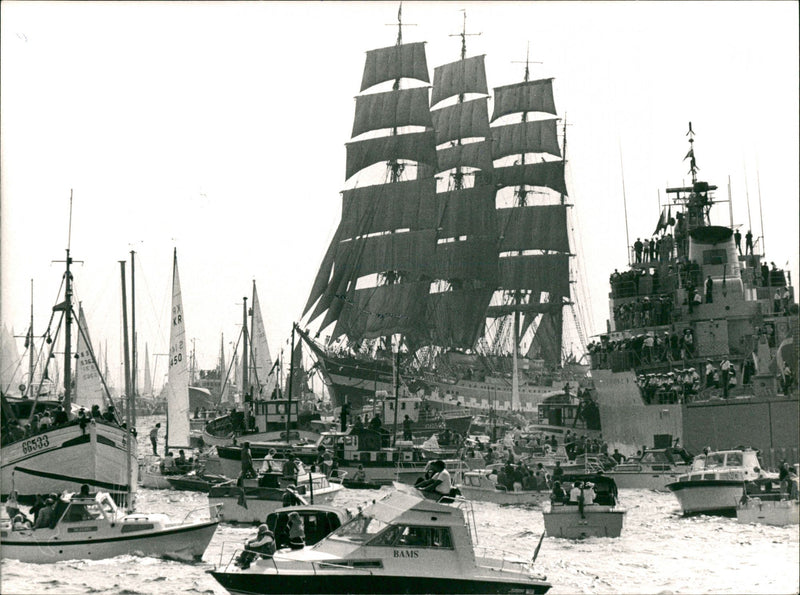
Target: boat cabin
[[368, 446], [318, 522], [726, 464]]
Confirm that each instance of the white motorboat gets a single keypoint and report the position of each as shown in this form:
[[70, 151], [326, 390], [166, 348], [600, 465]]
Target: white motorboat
[[400, 544], [482, 485], [251, 503], [94, 528], [652, 471], [602, 518], [717, 479], [768, 512]]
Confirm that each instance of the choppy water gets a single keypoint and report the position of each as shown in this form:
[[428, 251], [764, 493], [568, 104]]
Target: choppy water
[[659, 552]]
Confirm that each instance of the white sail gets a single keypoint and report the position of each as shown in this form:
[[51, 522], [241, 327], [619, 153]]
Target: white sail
[[148, 379], [261, 358], [178, 377], [89, 390]]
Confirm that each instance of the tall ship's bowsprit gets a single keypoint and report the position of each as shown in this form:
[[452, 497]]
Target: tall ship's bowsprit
[[468, 260], [703, 337]]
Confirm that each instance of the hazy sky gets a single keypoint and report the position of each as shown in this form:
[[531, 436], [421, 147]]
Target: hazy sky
[[219, 129]]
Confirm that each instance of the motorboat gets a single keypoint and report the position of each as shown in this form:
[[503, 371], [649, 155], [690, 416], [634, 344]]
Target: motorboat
[[717, 479], [482, 485], [653, 470], [602, 518], [195, 481], [402, 543], [92, 527], [319, 521], [151, 473], [250, 501], [768, 512]]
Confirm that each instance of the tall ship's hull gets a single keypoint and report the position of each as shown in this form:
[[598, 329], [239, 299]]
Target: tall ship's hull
[[65, 458]]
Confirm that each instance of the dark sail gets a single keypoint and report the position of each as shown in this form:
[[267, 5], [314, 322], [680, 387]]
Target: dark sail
[[534, 249], [376, 274], [466, 250]]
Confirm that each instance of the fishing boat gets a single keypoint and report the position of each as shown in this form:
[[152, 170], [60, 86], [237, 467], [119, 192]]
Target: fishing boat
[[251, 501], [697, 341], [268, 413], [653, 470], [91, 527], [401, 544], [602, 518], [717, 479], [73, 451]]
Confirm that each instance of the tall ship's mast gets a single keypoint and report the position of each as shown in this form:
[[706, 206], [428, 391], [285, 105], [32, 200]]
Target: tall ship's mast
[[376, 275], [534, 249]]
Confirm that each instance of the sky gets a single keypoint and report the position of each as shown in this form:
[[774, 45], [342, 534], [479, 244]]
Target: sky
[[219, 130]]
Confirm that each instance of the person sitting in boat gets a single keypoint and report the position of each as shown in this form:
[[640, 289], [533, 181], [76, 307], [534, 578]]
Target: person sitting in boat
[[182, 463], [558, 495], [440, 482], [45, 518], [360, 475], [12, 505], [297, 534], [168, 466], [575, 493], [263, 544], [21, 523], [110, 416]]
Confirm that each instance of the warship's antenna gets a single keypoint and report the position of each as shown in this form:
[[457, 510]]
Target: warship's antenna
[[690, 155], [463, 36]]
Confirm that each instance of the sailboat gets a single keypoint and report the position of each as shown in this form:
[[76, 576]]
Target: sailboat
[[431, 257], [268, 408], [177, 389], [66, 455]]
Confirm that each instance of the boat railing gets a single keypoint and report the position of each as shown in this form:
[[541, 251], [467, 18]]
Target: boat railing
[[214, 515]]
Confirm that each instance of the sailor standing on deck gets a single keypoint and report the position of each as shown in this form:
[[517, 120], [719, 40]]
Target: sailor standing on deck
[[725, 366]]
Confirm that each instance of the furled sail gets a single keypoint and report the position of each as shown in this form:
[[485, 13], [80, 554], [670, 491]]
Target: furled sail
[[89, 389], [178, 376]]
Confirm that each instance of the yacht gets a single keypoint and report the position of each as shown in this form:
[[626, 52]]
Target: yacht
[[718, 479], [653, 470], [402, 543]]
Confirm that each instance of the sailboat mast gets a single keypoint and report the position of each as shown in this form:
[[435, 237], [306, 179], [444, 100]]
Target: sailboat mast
[[245, 366], [134, 352], [289, 391], [129, 396], [68, 337], [29, 388]]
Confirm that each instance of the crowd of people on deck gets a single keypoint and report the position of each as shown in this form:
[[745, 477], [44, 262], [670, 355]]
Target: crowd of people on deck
[[38, 423], [678, 386], [655, 310], [649, 348]]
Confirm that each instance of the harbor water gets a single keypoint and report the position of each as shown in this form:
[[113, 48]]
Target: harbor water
[[660, 551]]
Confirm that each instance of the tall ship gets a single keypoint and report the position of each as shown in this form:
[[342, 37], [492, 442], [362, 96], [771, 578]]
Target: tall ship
[[702, 337], [453, 237]]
